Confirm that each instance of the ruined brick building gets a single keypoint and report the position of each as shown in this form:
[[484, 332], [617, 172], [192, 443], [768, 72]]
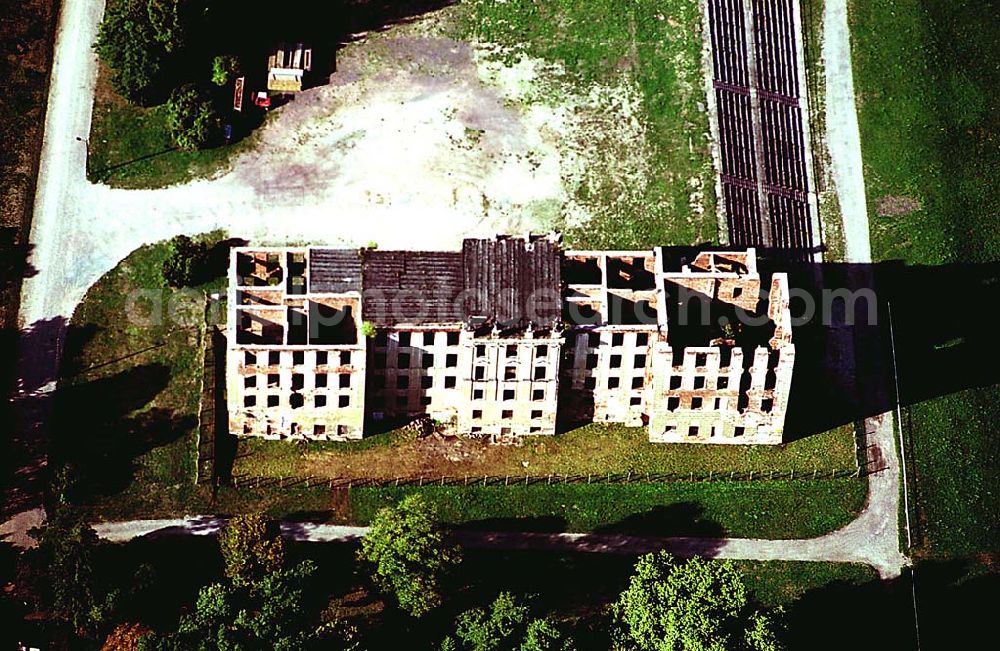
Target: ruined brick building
[[508, 336]]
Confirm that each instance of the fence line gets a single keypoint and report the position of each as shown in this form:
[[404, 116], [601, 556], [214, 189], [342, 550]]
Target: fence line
[[290, 481]]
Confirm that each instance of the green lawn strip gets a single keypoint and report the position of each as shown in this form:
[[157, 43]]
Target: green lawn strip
[[656, 45], [954, 453], [130, 147], [779, 583], [776, 509], [129, 396], [596, 449], [926, 75]]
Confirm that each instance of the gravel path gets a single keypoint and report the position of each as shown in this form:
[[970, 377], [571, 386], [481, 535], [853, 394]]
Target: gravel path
[[843, 138]]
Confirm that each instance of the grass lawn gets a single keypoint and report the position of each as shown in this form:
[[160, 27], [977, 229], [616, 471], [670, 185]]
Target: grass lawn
[[654, 45], [776, 509], [926, 73], [780, 583], [956, 457], [130, 146], [598, 449], [128, 403]]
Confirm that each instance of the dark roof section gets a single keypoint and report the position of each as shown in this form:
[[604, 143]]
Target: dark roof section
[[334, 271], [512, 282], [412, 287]]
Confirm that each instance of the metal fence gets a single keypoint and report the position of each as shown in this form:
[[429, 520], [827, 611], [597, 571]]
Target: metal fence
[[257, 482]]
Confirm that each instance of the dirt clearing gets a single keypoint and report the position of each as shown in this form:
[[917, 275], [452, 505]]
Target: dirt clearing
[[435, 130]]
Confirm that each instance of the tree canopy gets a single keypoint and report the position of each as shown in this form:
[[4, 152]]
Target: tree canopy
[[192, 119], [506, 626], [172, 20], [128, 43], [126, 637], [264, 604], [250, 552], [65, 554], [407, 555], [697, 605], [186, 263], [270, 614]]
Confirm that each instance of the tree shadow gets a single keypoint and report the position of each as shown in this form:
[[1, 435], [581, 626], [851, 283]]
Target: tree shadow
[[29, 372], [678, 519], [14, 255], [330, 25], [846, 357], [102, 426], [954, 604], [101, 174], [217, 259], [161, 577], [291, 520], [575, 587], [253, 33]]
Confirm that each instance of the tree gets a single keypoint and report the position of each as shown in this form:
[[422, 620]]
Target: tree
[[65, 555], [407, 555], [186, 262], [368, 329], [127, 43], [270, 614], [249, 551], [281, 621], [126, 637], [692, 606], [210, 627], [542, 635], [507, 626], [170, 20], [224, 68], [192, 119]]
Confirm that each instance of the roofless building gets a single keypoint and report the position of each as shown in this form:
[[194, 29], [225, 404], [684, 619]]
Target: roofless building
[[507, 337]]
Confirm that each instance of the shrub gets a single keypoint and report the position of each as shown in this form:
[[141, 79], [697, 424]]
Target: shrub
[[192, 119], [185, 265], [126, 637], [224, 68], [127, 43]]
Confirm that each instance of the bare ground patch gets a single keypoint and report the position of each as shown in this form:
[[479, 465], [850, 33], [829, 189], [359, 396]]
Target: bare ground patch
[[416, 121], [895, 206], [592, 449]]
